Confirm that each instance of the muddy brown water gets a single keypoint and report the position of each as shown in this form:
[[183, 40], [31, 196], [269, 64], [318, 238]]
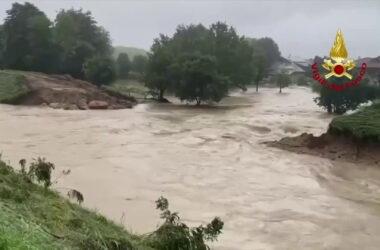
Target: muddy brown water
[[208, 162]]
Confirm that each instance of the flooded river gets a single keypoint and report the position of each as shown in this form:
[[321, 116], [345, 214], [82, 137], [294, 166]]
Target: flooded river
[[208, 162]]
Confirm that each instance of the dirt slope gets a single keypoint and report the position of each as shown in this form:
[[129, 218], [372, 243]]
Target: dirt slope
[[331, 146], [63, 91]]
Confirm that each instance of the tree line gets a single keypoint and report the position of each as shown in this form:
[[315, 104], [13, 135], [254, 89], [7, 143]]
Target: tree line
[[71, 44], [200, 64], [197, 63]]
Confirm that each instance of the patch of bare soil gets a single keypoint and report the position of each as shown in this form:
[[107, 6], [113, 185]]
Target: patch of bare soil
[[65, 92], [331, 146]]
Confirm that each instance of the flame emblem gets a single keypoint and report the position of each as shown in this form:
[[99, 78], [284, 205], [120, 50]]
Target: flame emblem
[[339, 54]]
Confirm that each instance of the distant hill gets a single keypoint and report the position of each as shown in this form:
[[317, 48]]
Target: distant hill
[[131, 51]]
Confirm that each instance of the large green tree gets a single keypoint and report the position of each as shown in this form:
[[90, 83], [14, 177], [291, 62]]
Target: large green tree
[[340, 101], [100, 70], [177, 61], [233, 54], [28, 39], [265, 53], [159, 75], [200, 80], [80, 38]]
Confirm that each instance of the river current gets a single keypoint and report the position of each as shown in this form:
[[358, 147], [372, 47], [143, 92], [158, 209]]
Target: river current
[[208, 162]]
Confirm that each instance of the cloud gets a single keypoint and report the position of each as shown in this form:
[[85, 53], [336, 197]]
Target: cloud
[[301, 28]]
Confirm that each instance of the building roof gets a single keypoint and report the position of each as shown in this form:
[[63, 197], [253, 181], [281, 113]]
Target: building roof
[[285, 65], [372, 62]]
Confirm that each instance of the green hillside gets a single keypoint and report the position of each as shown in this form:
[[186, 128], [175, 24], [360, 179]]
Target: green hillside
[[131, 51]]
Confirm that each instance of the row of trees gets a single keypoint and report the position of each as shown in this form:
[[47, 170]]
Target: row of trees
[[196, 63], [73, 44], [202, 64]]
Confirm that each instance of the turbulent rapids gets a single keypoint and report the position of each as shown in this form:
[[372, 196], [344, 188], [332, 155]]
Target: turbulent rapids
[[208, 162]]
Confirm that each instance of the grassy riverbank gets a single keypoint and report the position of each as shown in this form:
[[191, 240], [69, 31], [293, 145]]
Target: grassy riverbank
[[354, 138], [13, 87], [363, 125], [33, 217]]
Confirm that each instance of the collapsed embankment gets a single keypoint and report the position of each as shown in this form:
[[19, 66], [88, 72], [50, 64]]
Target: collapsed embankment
[[354, 137], [56, 91]]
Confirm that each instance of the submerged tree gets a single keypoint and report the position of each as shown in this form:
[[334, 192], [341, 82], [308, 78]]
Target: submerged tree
[[265, 53], [200, 80], [159, 73], [283, 80], [200, 64], [340, 101]]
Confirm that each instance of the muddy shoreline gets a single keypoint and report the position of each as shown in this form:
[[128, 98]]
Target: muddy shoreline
[[331, 146]]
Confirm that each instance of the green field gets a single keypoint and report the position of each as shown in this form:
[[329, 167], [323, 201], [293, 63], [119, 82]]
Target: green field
[[13, 86], [363, 124]]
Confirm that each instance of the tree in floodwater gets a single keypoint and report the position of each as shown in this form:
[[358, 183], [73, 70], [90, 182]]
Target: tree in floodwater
[[265, 53], [283, 80], [174, 62], [200, 80], [159, 73], [339, 102]]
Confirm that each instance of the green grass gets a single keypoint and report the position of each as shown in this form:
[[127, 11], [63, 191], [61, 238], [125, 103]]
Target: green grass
[[33, 217], [13, 87], [127, 88], [363, 124]]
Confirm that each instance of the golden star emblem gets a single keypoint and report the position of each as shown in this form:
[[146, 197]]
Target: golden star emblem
[[339, 54]]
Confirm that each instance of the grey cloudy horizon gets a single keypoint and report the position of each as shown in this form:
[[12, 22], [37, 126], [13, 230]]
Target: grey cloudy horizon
[[303, 28]]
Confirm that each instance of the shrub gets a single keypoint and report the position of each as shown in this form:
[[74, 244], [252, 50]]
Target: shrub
[[174, 234], [100, 70], [41, 170]]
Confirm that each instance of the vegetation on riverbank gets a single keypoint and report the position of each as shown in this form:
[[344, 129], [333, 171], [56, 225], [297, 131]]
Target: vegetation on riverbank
[[34, 217], [363, 125], [127, 88], [354, 138], [13, 87]]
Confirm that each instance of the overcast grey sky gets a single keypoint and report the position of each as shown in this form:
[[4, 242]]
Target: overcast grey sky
[[300, 27]]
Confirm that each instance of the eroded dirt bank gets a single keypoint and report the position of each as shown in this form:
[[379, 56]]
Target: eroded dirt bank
[[331, 146], [65, 92]]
